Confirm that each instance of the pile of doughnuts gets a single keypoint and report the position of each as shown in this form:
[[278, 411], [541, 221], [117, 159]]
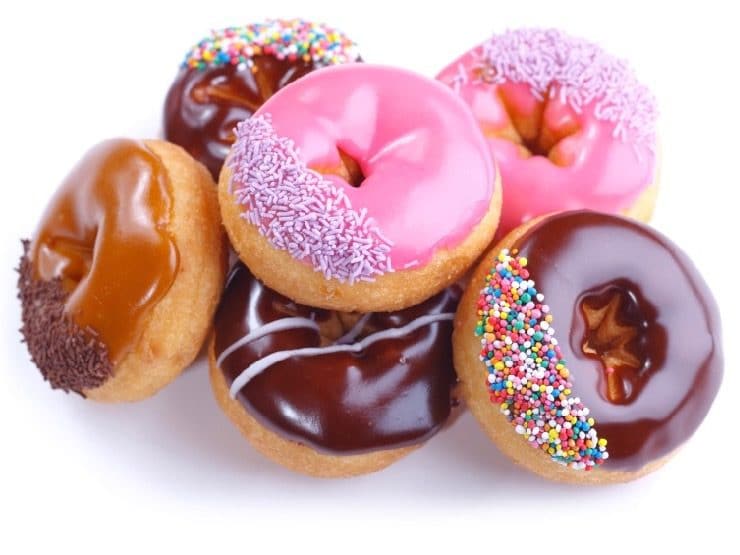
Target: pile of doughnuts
[[401, 247]]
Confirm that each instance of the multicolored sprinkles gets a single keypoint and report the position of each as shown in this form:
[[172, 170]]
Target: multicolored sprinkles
[[291, 39], [580, 72], [527, 375]]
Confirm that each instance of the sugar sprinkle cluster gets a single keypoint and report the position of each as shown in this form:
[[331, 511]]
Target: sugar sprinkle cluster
[[300, 211], [582, 73], [291, 39], [527, 375]]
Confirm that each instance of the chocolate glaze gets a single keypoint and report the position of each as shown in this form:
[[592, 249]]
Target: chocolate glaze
[[104, 236], [396, 393], [204, 105], [644, 348]]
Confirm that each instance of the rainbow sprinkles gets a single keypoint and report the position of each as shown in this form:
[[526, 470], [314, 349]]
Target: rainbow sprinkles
[[527, 375], [285, 39]]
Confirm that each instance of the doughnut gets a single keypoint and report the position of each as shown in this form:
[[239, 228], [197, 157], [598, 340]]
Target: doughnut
[[632, 369], [570, 126], [123, 274], [227, 76], [360, 188], [331, 394]]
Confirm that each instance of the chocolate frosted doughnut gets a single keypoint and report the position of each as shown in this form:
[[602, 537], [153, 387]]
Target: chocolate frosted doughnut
[[227, 76], [633, 368], [333, 386]]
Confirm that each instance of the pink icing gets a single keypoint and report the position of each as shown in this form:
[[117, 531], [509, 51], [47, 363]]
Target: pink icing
[[605, 121], [429, 177], [300, 211]]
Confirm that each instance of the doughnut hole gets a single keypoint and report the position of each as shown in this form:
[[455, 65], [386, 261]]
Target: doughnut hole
[[619, 326], [68, 258], [539, 127], [203, 106], [267, 75], [349, 169], [339, 324]]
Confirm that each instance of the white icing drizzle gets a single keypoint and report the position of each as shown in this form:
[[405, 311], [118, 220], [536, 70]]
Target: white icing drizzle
[[352, 334], [391, 333], [270, 327]]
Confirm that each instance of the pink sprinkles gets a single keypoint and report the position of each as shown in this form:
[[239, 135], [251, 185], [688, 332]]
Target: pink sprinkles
[[527, 376], [300, 211], [582, 72]]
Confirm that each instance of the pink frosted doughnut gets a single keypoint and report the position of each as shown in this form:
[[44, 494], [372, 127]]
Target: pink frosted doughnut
[[569, 125], [360, 187]]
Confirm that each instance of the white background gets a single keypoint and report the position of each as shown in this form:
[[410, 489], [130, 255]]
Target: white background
[[172, 473]]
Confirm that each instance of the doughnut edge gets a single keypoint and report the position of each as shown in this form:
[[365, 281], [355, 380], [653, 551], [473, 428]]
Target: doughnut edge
[[289, 454], [178, 324], [391, 291]]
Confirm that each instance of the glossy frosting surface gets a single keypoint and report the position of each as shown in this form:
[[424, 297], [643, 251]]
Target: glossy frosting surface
[[204, 104], [395, 393], [104, 234], [551, 156], [644, 348], [428, 177]]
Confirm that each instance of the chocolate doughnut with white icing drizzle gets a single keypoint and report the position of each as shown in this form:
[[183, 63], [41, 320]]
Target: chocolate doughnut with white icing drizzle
[[341, 384]]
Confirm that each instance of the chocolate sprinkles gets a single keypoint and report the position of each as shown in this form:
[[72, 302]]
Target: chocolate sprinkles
[[69, 357]]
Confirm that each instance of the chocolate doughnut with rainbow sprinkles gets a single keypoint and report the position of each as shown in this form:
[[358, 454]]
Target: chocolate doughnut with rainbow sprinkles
[[227, 76], [327, 393], [631, 371]]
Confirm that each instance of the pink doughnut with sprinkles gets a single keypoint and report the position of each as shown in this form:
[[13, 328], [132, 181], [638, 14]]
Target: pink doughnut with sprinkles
[[570, 126], [360, 188], [588, 364]]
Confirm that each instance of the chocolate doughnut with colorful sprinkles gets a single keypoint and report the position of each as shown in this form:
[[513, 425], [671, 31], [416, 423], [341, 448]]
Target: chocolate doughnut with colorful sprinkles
[[227, 76], [629, 375]]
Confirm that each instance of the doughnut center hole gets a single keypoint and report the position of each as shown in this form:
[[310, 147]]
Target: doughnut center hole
[[218, 90], [69, 259], [534, 147], [616, 333], [350, 170], [241, 88], [344, 328], [537, 128]]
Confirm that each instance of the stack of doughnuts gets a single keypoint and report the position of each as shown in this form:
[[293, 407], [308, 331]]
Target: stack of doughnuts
[[341, 362], [371, 211]]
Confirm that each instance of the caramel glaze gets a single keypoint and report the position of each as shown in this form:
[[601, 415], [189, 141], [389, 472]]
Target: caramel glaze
[[644, 349], [204, 105], [104, 235], [396, 393]]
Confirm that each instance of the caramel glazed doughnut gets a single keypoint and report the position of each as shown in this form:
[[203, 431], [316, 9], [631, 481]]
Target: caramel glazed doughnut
[[326, 393], [638, 327], [227, 76], [124, 272]]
